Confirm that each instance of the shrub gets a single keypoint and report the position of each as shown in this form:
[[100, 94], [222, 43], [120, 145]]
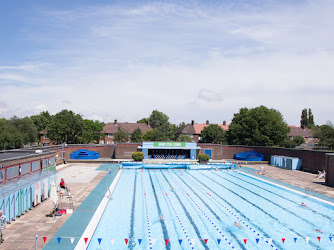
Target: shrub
[[203, 157], [137, 156]]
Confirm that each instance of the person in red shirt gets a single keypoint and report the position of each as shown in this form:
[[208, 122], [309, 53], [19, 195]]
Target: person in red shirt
[[64, 186]]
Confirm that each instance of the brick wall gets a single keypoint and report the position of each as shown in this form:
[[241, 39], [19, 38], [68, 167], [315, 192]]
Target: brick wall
[[124, 150], [216, 150], [105, 151], [312, 161]]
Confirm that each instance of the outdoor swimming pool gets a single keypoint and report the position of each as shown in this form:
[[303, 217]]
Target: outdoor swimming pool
[[199, 209]]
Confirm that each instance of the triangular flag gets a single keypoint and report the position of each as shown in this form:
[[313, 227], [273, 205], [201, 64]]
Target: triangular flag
[[318, 238], [283, 239], [307, 239], [86, 239], [257, 241], [59, 239], [139, 241], [330, 238], [270, 241], [245, 240], [180, 241], [72, 240], [112, 241], [295, 239], [44, 238], [153, 241], [193, 241], [99, 240], [166, 241], [218, 241], [205, 241], [126, 241]]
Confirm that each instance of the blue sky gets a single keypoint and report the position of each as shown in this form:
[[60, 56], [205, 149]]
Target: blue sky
[[193, 60]]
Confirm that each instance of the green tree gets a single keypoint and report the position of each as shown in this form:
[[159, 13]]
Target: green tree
[[41, 121], [304, 119], [298, 140], [91, 131], [65, 126], [142, 120], [10, 137], [121, 135], [154, 135], [325, 133], [184, 138], [136, 136], [310, 119], [173, 130], [159, 120], [257, 126], [26, 128], [213, 134]]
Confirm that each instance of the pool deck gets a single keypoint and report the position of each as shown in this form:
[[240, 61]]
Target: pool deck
[[298, 179], [21, 234], [83, 180]]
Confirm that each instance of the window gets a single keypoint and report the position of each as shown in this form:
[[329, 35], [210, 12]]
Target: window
[[108, 142], [110, 136], [45, 136]]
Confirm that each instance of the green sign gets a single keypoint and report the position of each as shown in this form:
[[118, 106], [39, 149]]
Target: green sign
[[169, 144]]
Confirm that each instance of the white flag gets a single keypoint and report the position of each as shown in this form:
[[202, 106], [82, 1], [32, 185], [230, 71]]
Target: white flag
[[307, 239], [112, 241], [72, 240], [153, 241], [270, 241]]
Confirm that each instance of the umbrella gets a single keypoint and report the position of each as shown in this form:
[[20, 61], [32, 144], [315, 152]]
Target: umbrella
[[53, 195]]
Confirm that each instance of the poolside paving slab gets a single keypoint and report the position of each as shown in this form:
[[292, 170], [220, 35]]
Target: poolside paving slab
[[301, 181], [21, 233]]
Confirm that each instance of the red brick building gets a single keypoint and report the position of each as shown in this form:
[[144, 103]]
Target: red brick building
[[194, 129], [111, 128], [306, 133], [44, 140]]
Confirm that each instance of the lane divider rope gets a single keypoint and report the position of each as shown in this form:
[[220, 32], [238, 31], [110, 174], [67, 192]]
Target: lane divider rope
[[240, 220], [206, 216]]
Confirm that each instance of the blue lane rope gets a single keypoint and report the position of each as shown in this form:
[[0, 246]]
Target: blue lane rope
[[177, 216], [237, 217], [146, 211], [212, 223]]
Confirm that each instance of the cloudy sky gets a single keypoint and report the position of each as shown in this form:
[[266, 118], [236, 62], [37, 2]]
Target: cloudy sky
[[193, 60]]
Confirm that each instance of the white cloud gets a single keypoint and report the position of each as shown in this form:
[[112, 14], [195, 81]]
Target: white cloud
[[189, 61]]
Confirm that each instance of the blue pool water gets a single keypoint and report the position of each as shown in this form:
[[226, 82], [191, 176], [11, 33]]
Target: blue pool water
[[199, 209]]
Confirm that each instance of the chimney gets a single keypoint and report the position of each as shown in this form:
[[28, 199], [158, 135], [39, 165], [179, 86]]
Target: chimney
[[148, 123], [115, 122], [224, 123], [192, 123], [207, 122]]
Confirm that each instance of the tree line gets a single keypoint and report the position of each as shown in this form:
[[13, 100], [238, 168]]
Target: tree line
[[260, 126], [63, 127]]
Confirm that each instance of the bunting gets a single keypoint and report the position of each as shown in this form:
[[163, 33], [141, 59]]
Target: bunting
[[44, 238]]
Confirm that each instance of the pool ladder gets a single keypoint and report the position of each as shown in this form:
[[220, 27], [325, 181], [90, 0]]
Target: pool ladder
[[309, 190]]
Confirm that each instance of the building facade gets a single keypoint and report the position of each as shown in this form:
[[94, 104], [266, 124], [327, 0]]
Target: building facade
[[194, 129], [110, 129]]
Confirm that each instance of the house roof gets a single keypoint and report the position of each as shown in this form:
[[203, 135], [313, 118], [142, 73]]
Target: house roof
[[197, 128], [111, 128], [298, 131]]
